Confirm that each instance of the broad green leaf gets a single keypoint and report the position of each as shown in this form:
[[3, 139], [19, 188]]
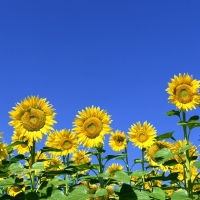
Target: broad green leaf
[[126, 193], [109, 157], [120, 156], [165, 136], [163, 155], [32, 196], [16, 168], [180, 194], [7, 182], [183, 149], [122, 177], [173, 113], [101, 192], [141, 195], [194, 118], [38, 165], [197, 164], [157, 193], [79, 193], [57, 193], [139, 173]]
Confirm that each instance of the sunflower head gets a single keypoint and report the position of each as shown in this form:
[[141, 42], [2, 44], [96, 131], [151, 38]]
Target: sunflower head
[[80, 157], [32, 118], [3, 151], [14, 190], [64, 140], [142, 135], [113, 168], [91, 125], [183, 91], [117, 140]]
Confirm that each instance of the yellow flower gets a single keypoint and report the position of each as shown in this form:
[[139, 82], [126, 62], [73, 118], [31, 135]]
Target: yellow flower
[[3, 151], [182, 157], [14, 190], [142, 136], [91, 125], [153, 149], [54, 163], [64, 140], [117, 140], [32, 117], [113, 168], [21, 148], [80, 157], [183, 91]]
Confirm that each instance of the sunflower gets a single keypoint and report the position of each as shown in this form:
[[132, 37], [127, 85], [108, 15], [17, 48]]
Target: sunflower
[[183, 91], [3, 151], [153, 149], [64, 140], [182, 157], [54, 163], [91, 125], [14, 190], [142, 136], [80, 157], [33, 117], [117, 140], [21, 148], [113, 168]]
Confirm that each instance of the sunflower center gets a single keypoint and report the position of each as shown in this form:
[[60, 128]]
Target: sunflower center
[[183, 93], [16, 189], [142, 136], [119, 141], [92, 127], [66, 143], [33, 119]]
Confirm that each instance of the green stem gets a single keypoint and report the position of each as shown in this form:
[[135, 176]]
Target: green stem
[[187, 157], [143, 178], [127, 165], [66, 162], [32, 162]]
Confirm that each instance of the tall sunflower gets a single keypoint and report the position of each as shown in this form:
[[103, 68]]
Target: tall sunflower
[[64, 140], [142, 135], [32, 118], [117, 140], [91, 125], [113, 168], [183, 91]]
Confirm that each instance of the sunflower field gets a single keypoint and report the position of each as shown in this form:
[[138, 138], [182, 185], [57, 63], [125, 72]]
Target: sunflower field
[[63, 169]]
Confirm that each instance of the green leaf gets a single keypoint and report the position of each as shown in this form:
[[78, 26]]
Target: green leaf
[[109, 157], [101, 192], [57, 193], [157, 193], [122, 177], [47, 149], [32, 196], [165, 136], [163, 155], [17, 158], [197, 164], [120, 156], [7, 182], [16, 168], [139, 173], [79, 193], [183, 149], [180, 194], [126, 193], [173, 113], [141, 195], [38, 165], [194, 118]]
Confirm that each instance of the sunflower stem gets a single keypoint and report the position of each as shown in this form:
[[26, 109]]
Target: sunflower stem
[[127, 165], [32, 162], [187, 157], [66, 162], [143, 178], [100, 170]]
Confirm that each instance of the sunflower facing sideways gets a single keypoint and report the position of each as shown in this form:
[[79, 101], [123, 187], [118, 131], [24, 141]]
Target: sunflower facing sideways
[[117, 140], [64, 140], [183, 91], [91, 125], [142, 135], [32, 118]]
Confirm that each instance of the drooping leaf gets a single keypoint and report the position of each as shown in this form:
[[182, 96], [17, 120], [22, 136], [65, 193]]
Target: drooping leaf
[[165, 136], [173, 113], [16, 168]]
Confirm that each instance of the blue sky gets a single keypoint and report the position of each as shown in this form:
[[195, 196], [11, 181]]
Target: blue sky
[[118, 55]]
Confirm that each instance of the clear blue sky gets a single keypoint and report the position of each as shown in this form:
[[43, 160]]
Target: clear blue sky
[[118, 55]]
